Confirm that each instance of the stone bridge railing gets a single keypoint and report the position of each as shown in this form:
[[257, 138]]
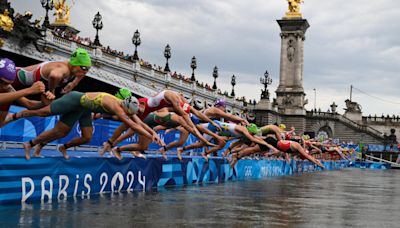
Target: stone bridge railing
[[346, 121], [381, 119], [142, 78], [161, 78]]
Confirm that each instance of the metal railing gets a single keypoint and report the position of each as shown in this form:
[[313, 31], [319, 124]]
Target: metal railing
[[372, 158]]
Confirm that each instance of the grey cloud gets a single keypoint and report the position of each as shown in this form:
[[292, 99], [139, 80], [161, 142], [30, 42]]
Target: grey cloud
[[349, 42]]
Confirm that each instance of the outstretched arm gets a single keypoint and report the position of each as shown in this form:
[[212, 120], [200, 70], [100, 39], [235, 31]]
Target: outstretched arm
[[204, 117], [228, 116], [68, 88], [154, 134], [126, 120], [54, 78], [232, 147], [159, 128], [210, 133], [33, 105], [12, 94]]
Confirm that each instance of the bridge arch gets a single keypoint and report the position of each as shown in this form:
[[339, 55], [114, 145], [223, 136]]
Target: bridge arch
[[323, 127]]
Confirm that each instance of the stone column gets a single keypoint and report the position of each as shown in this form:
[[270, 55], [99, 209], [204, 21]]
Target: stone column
[[290, 93]]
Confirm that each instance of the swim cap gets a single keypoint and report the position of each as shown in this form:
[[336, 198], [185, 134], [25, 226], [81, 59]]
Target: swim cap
[[282, 126], [7, 69], [220, 103], [132, 104], [80, 57], [252, 128], [306, 137], [123, 93]]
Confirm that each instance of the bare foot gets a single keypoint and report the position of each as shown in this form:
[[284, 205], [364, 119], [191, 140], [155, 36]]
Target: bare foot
[[162, 150], [179, 152], [139, 155], [163, 153], [204, 155], [63, 151], [27, 149], [106, 147], [38, 149], [225, 153], [233, 162], [116, 153], [9, 118]]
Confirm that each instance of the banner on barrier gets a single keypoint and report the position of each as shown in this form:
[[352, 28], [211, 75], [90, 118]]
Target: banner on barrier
[[48, 179]]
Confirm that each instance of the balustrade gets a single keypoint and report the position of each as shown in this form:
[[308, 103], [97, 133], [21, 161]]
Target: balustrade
[[146, 70]]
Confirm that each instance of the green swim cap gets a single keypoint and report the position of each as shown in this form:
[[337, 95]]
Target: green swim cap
[[80, 57], [252, 128], [123, 93], [306, 137]]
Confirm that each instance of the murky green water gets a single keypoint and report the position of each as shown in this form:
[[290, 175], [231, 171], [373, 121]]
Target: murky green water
[[346, 198]]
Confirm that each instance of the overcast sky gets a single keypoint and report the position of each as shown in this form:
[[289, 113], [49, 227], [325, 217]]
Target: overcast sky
[[348, 43]]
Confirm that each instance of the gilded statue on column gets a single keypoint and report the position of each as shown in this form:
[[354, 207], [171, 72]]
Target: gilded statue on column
[[294, 8], [6, 22], [62, 12]]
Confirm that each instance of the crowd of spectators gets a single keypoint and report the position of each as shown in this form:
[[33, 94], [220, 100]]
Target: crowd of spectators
[[392, 118], [68, 35], [120, 54]]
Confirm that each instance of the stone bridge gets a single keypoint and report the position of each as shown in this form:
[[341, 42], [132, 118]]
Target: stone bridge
[[334, 125]]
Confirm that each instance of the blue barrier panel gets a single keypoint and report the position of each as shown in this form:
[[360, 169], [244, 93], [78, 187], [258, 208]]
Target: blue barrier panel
[[53, 178], [371, 165], [26, 129]]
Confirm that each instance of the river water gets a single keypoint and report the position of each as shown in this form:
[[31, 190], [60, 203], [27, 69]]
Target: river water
[[344, 198]]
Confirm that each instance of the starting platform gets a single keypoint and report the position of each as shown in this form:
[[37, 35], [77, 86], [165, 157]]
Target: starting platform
[[51, 177]]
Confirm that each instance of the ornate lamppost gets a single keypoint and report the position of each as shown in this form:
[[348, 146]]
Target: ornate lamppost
[[315, 99], [136, 41], [193, 65], [215, 75], [47, 5], [98, 25], [167, 55], [266, 80], [233, 83]]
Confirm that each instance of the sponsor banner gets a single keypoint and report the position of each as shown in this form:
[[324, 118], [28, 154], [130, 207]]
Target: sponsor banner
[[53, 178]]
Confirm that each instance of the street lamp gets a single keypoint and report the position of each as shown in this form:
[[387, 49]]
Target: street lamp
[[167, 55], [215, 75], [315, 99], [266, 80], [193, 65], [98, 25], [233, 83], [47, 5], [136, 41]]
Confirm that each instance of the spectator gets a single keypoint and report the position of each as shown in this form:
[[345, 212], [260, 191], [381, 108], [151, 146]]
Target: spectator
[[364, 153]]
